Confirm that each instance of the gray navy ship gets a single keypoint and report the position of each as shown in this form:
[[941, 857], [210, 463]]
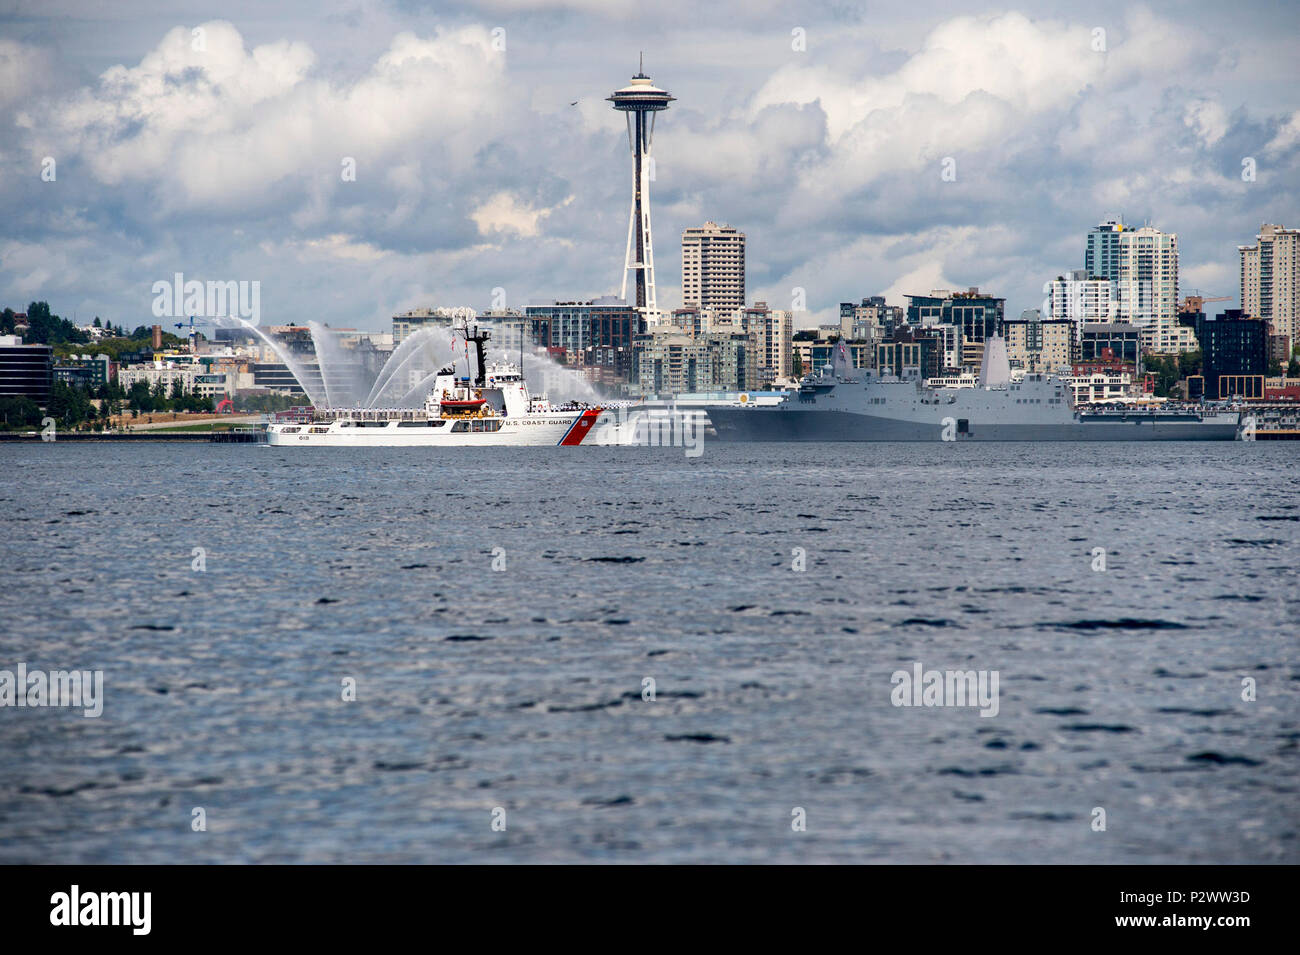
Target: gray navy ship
[[833, 406]]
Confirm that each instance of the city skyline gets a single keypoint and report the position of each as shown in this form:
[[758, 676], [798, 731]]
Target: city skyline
[[794, 148]]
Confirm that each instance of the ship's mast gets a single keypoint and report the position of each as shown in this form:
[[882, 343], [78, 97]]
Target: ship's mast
[[479, 338]]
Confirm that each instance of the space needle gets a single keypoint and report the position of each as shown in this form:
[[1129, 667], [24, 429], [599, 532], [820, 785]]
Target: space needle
[[640, 100]]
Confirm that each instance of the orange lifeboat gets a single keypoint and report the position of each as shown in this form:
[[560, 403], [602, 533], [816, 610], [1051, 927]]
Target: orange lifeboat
[[463, 404]]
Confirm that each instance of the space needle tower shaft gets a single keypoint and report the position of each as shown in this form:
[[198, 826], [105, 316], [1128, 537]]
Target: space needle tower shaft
[[640, 101]]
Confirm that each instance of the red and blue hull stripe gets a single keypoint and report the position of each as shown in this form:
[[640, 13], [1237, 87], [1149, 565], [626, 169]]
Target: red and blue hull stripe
[[580, 428]]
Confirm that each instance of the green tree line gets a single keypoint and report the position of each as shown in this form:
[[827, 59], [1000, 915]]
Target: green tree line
[[71, 406], [44, 328], [144, 399]]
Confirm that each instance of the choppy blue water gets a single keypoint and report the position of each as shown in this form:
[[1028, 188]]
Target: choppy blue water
[[1119, 689]]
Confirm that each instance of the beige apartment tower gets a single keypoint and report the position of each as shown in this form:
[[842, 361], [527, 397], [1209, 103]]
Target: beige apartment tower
[[1040, 347], [713, 267], [1270, 280]]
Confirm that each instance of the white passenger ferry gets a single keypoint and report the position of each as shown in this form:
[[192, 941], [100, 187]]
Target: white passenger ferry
[[494, 408]]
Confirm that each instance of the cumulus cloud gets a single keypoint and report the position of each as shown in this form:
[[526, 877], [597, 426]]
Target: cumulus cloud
[[974, 84], [1208, 118], [207, 122], [1211, 278], [23, 72], [925, 278], [1287, 137], [28, 267], [504, 212], [1027, 65]]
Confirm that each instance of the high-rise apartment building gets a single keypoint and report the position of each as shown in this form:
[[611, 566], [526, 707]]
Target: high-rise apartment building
[[1101, 257], [1235, 351], [596, 333], [770, 331], [408, 323], [1040, 346], [871, 321], [773, 332], [713, 267], [1142, 264], [26, 371], [910, 352], [1270, 280], [1080, 298], [1118, 341], [979, 316], [668, 362]]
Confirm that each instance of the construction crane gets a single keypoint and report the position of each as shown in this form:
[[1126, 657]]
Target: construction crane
[[1196, 303], [191, 325]]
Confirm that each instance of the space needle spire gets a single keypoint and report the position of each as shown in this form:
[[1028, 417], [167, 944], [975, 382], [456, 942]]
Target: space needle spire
[[640, 101]]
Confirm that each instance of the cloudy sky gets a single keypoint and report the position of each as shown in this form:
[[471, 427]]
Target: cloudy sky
[[821, 133]]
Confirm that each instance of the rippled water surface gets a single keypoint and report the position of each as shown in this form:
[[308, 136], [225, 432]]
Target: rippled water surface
[[475, 689]]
